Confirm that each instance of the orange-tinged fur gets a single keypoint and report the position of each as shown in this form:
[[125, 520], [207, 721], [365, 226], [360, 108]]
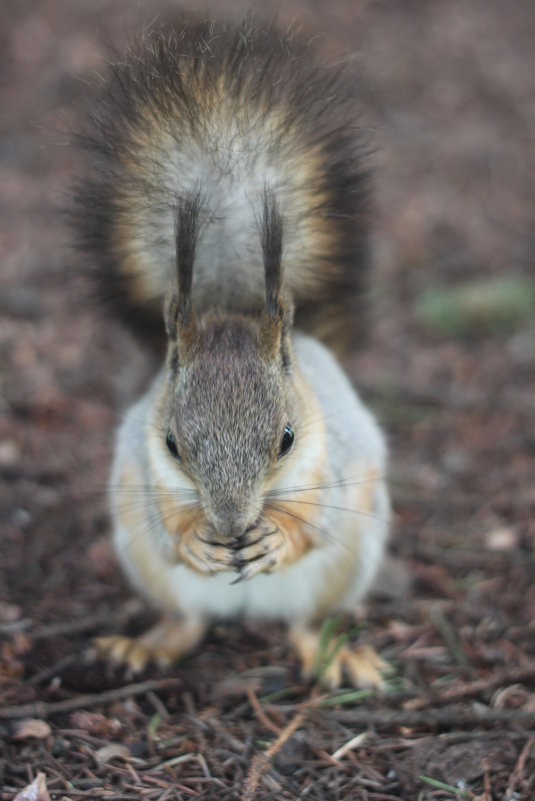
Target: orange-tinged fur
[[227, 191], [180, 519], [362, 666], [163, 644], [312, 237], [141, 546]]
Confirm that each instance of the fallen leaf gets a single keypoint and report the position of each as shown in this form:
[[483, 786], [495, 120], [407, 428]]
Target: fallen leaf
[[9, 613], [503, 538], [109, 752], [31, 727], [95, 723], [36, 791]]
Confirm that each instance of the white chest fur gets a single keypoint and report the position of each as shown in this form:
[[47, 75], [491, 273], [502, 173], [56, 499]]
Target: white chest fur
[[353, 543]]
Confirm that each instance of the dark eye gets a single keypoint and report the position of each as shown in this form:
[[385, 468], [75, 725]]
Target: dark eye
[[287, 440], [171, 444]]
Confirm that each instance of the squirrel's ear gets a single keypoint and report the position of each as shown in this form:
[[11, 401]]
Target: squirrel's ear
[[271, 239], [179, 315], [278, 314]]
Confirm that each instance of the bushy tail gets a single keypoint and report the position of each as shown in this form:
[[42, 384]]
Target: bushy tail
[[227, 109]]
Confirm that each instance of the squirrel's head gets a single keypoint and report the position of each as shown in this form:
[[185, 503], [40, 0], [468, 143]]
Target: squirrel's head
[[230, 405]]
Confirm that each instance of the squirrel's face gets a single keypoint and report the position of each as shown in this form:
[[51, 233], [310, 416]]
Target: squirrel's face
[[231, 413]]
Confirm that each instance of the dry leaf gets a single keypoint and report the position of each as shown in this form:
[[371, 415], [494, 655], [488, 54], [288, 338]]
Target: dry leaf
[[108, 752], [36, 791], [95, 723], [9, 613], [503, 538], [31, 727]]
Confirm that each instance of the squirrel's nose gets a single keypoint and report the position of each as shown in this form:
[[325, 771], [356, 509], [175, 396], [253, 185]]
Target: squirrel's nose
[[233, 526]]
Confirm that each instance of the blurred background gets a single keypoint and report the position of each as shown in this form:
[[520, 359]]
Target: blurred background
[[448, 365]]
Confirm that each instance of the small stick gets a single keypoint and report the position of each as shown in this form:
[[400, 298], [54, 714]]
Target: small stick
[[449, 636], [52, 670], [355, 742], [129, 609], [40, 709], [261, 761], [458, 716], [486, 780], [260, 714], [518, 771], [501, 678]]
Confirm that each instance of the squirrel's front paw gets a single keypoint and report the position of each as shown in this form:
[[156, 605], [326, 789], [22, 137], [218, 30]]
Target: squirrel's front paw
[[205, 555], [262, 549]]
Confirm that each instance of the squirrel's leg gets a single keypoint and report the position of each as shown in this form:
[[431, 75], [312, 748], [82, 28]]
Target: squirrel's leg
[[165, 643], [361, 666]]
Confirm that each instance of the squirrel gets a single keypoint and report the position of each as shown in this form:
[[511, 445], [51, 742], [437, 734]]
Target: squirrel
[[224, 213]]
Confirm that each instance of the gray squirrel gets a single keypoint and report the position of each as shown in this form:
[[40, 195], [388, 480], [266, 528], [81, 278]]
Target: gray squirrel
[[223, 211]]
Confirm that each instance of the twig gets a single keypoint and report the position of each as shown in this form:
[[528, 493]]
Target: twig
[[52, 670], [454, 716], [41, 709], [355, 742], [486, 780], [130, 609], [473, 688], [261, 761], [260, 714], [8, 629], [518, 771], [459, 558], [451, 639]]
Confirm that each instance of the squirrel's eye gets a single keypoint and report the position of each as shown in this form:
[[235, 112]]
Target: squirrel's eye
[[287, 440], [171, 444]]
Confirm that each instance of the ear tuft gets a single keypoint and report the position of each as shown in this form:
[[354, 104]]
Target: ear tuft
[[278, 315], [271, 238], [188, 222], [179, 316]]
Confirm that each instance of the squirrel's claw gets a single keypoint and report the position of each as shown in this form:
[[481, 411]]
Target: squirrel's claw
[[266, 564], [359, 667], [261, 550], [205, 556], [165, 643]]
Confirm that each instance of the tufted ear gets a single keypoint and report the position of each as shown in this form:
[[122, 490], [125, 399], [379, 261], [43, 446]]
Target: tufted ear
[[278, 314], [179, 315]]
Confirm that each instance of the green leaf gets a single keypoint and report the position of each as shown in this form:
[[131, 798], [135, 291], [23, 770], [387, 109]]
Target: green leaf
[[484, 306], [449, 788]]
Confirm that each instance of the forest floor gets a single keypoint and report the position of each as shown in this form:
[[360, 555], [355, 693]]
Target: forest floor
[[450, 102]]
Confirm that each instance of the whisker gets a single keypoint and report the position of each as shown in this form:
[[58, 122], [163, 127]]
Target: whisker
[[322, 531], [156, 521], [140, 489], [340, 509], [172, 492], [135, 505], [327, 485]]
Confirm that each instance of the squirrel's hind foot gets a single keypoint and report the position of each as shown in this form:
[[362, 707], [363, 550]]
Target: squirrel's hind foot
[[163, 644], [361, 667]]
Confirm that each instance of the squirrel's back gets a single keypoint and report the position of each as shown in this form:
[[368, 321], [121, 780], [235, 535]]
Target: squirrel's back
[[224, 111]]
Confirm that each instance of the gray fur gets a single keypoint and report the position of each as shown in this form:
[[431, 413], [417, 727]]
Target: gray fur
[[227, 108], [228, 407]]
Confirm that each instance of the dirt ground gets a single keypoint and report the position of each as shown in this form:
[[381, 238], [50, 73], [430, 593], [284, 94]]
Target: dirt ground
[[450, 103]]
